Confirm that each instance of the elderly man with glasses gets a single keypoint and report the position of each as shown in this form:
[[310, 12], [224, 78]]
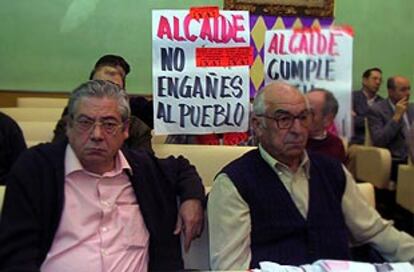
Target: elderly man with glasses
[[278, 203], [86, 204]]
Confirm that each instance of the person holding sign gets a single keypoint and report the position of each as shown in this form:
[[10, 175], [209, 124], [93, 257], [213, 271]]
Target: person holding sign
[[324, 107], [278, 203], [89, 204]]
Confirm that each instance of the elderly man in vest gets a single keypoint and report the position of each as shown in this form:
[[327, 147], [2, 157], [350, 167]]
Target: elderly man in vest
[[278, 203]]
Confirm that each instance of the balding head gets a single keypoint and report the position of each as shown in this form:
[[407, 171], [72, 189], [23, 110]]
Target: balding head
[[398, 88], [280, 121], [274, 94]]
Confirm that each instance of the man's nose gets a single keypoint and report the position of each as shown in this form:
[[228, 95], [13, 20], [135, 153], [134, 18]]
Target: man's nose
[[297, 125], [96, 133]]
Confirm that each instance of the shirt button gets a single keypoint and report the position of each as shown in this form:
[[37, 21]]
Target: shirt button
[[104, 252], [105, 203], [104, 229]]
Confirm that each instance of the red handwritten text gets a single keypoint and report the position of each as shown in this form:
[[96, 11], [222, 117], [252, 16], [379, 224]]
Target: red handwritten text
[[309, 43], [217, 30]]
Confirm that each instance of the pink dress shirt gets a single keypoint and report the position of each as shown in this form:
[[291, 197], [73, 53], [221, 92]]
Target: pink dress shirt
[[101, 228]]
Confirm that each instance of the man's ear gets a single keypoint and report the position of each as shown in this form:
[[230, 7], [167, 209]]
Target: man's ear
[[257, 125], [328, 120], [125, 129], [364, 81], [69, 124]]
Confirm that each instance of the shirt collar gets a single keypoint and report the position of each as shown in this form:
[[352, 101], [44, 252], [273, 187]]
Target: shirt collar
[[321, 137], [391, 104], [72, 164], [274, 163]]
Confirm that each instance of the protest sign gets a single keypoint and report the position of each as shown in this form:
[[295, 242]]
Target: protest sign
[[314, 58], [200, 71]]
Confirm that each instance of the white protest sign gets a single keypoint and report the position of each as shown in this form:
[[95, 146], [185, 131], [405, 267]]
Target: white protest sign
[[200, 72], [314, 58]]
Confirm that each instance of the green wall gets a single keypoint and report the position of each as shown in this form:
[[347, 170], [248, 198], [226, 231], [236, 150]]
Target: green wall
[[384, 36], [51, 45]]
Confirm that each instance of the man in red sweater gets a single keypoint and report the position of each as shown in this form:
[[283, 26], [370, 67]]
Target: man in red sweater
[[325, 107]]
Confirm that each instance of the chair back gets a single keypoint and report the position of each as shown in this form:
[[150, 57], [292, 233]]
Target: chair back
[[208, 159], [33, 114], [42, 102], [2, 191], [373, 164], [37, 131], [367, 140], [405, 187]]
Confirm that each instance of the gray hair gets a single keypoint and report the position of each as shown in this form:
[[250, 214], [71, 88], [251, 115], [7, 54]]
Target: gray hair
[[259, 105], [331, 104], [100, 89]]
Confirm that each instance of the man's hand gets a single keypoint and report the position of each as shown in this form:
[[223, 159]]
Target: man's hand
[[400, 109], [353, 114], [190, 221]]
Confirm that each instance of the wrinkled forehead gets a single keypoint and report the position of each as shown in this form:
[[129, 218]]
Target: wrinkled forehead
[[97, 106], [112, 69], [291, 102], [402, 82], [375, 74]]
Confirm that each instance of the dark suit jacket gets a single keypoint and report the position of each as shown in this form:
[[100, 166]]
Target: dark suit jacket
[[360, 107], [387, 133]]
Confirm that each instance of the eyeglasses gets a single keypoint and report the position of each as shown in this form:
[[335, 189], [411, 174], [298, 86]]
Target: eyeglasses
[[285, 120], [84, 124]]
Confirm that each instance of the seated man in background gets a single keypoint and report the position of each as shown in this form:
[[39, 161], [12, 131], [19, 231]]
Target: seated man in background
[[278, 203], [389, 121], [115, 69], [324, 107], [11, 144], [362, 100], [87, 204]]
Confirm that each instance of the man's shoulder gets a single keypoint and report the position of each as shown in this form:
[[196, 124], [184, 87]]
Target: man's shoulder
[[243, 164], [335, 139], [380, 106], [324, 160], [47, 151], [133, 154], [6, 122], [137, 127], [358, 95], [246, 157]]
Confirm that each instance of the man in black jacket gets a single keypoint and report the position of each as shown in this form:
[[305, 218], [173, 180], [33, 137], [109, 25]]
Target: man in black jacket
[[87, 204], [11, 144]]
